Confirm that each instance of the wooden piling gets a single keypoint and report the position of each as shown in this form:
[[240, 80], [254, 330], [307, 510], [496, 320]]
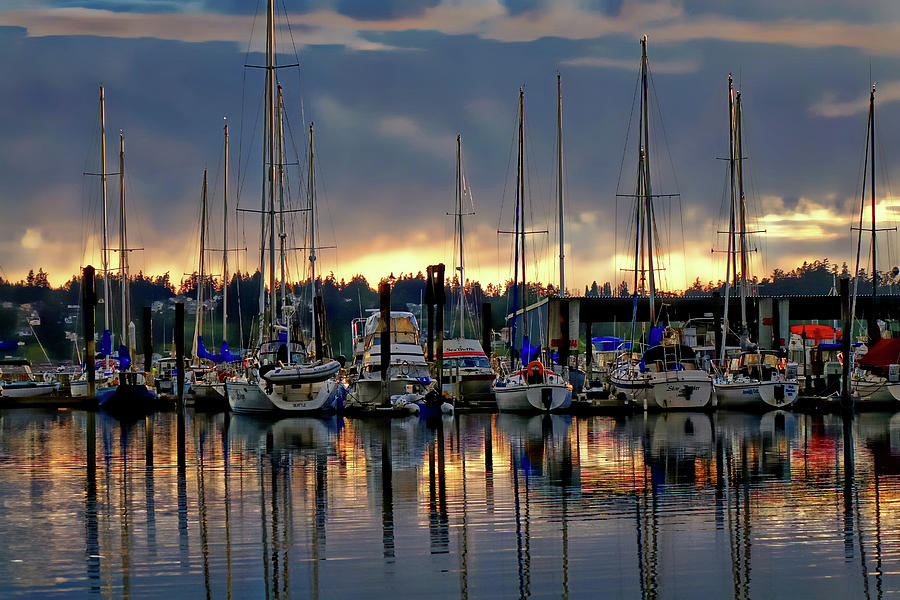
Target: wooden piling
[[486, 329], [319, 316], [179, 352], [384, 296], [89, 302], [588, 348], [846, 338], [439, 299], [564, 335], [717, 327], [147, 322], [429, 303]]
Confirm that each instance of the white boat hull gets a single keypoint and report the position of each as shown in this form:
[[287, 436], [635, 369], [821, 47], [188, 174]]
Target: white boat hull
[[871, 390], [634, 390], [370, 391], [532, 398], [685, 390], [756, 395], [32, 390], [308, 398]]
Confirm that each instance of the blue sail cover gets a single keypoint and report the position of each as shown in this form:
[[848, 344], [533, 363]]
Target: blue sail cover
[[223, 356], [609, 343], [529, 352], [124, 358], [656, 334], [106, 343], [8, 345]]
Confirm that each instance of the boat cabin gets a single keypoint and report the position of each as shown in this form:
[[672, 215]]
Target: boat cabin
[[669, 357], [15, 369], [404, 329]]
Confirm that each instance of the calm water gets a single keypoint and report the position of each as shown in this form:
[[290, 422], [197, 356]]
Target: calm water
[[662, 506]]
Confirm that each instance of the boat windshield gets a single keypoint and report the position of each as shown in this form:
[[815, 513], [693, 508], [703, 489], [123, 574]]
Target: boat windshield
[[467, 362]]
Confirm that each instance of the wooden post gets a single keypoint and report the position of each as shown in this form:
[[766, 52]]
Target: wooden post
[[717, 327], [88, 302], [179, 374], [588, 348], [179, 352], [486, 329], [384, 295], [319, 316], [564, 335], [147, 319], [846, 335], [429, 302], [439, 299]]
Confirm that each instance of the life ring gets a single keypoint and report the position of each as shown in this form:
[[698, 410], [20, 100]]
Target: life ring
[[840, 357], [535, 367]]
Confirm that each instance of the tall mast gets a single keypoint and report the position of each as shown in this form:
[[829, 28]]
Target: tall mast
[[282, 236], [105, 250], [225, 242], [873, 330], [730, 253], [198, 321], [270, 152], [311, 191], [515, 288], [123, 259], [872, 171], [739, 160], [459, 218], [559, 167], [646, 190], [521, 192]]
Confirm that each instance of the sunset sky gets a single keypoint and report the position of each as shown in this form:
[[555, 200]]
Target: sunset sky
[[390, 84]]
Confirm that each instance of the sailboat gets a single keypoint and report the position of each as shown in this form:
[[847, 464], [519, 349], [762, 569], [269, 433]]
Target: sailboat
[[104, 368], [533, 386], [869, 381], [210, 369], [757, 378], [129, 391], [467, 369], [284, 377], [668, 375]]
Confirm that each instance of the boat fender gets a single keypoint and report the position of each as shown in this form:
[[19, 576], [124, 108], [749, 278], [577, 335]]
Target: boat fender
[[404, 368]]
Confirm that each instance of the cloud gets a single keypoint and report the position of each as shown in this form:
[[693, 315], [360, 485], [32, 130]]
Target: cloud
[[31, 239], [830, 106], [417, 137], [664, 20], [672, 67], [185, 27]]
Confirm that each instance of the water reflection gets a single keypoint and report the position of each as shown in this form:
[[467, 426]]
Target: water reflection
[[680, 505]]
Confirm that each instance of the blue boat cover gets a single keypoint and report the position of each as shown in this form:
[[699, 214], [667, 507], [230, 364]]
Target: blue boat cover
[[609, 343], [106, 343], [124, 358], [9, 345], [223, 356], [529, 352]]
